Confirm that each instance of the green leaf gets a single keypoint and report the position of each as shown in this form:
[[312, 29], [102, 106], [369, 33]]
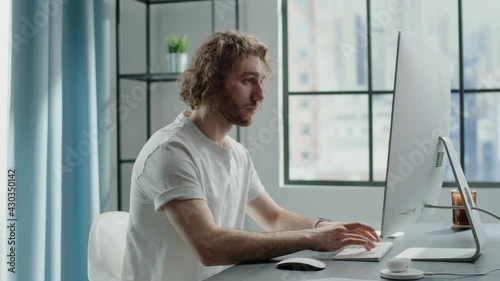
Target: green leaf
[[177, 44], [172, 43], [183, 44]]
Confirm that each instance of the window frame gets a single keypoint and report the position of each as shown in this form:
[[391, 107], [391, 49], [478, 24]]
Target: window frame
[[461, 91]]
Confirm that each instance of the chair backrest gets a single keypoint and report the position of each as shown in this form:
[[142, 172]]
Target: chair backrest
[[107, 246]]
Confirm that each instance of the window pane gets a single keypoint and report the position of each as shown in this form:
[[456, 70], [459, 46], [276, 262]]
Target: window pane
[[335, 144], [481, 44], [327, 51], [327, 45], [382, 109], [482, 137], [435, 23]]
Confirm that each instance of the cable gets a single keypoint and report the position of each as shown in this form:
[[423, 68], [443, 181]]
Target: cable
[[486, 212], [460, 274], [462, 207]]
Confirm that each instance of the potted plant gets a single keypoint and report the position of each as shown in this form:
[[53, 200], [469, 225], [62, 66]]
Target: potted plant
[[177, 57]]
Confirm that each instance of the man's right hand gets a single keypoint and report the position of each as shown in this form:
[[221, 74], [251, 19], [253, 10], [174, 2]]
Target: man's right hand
[[331, 236]]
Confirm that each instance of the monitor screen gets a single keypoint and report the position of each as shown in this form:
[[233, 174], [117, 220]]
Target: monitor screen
[[421, 113], [420, 147]]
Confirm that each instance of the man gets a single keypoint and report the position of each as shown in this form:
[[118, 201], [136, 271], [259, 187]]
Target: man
[[192, 184]]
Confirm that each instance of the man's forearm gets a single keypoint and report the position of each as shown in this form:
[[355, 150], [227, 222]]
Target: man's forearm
[[229, 246], [272, 217], [217, 245], [288, 220]]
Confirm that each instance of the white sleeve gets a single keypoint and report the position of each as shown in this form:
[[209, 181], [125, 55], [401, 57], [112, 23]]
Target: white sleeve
[[169, 173]]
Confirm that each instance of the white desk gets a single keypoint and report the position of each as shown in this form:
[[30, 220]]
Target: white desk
[[428, 234]]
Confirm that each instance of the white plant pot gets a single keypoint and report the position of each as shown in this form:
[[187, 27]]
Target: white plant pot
[[177, 62]]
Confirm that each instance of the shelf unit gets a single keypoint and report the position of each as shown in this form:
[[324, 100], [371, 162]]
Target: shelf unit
[[149, 77]]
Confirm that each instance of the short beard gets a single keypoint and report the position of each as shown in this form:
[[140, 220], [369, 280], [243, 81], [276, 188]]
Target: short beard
[[229, 110]]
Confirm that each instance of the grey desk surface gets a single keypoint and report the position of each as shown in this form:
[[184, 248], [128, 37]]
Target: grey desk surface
[[420, 235]]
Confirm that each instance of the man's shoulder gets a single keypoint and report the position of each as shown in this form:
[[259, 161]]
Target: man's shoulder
[[172, 135]]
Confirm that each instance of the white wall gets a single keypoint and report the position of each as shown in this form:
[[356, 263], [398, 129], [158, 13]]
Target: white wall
[[262, 18]]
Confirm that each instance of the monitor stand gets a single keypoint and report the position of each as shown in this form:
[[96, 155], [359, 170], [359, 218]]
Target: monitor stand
[[477, 228]]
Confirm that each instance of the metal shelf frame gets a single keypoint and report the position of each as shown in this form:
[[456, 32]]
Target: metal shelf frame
[[147, 77]]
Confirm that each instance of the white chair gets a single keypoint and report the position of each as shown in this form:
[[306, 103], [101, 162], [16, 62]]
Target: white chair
[[107, 246]]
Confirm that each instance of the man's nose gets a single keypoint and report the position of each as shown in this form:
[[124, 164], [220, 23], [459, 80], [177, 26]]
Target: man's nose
[[258, 93]]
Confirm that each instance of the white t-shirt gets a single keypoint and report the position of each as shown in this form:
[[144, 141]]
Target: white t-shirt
[[180, 162]]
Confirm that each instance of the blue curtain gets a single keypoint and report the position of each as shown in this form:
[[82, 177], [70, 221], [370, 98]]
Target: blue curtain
[[59, 133]]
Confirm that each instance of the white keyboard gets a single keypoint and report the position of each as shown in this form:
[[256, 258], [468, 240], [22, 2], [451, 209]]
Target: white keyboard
[[359, 253]]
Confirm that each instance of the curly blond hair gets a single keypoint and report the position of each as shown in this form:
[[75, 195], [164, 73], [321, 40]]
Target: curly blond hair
[[205, 76]]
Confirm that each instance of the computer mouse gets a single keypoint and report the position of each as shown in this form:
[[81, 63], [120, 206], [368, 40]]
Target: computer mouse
[[302, 264]]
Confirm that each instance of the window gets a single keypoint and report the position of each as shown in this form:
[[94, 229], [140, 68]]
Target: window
[[339, 59]]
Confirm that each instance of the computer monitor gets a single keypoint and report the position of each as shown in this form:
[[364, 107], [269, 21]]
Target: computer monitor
[[418, 145]]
